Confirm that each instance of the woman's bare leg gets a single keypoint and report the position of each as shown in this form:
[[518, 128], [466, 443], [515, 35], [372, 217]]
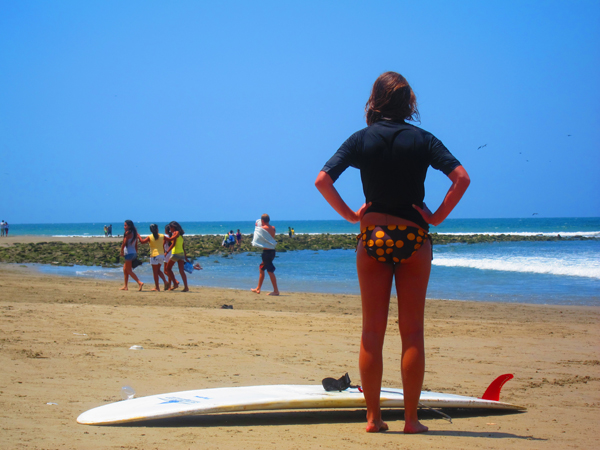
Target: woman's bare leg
[[375, 281], [134, 276], [181, 263], [128, 272], [161, 274], [155, 270], [170, 274], [412, 278], [126, 276]]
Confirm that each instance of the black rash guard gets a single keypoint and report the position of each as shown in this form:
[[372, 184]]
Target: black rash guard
[[393, 158]]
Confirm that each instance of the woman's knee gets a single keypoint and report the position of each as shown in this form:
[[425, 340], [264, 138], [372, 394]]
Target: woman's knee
[[413, 337], [372, 341]]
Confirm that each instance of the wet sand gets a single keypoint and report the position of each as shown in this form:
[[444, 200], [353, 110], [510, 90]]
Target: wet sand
[[66, 341]]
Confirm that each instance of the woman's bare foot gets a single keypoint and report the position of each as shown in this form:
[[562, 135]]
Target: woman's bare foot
[[186, 290], [375, 427], [415, 427], [257, 290], [141, 286], [155, 289], [124, 288], [274, 293]]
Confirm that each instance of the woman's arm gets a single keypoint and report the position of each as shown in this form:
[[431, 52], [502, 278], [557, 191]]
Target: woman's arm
[[460, 182], [124, 243], [173, 236], [143, 240], [172, 240], [324, 184]]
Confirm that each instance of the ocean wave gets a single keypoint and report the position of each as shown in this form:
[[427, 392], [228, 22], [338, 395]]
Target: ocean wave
[[589, 268], [97, 272], [592, 234], [79, 235]]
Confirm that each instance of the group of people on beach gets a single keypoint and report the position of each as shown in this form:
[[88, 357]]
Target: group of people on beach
[[4, 228], [231, 240], [108, 230], [167, 248]]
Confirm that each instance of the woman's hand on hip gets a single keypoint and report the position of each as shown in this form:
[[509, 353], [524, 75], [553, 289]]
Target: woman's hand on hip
[[361, 212], [426, 214]]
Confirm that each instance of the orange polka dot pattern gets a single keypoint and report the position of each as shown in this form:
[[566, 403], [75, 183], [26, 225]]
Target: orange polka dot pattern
[[392, 243]]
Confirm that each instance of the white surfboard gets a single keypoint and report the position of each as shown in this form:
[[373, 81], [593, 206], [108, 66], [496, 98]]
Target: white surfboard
[[274, 397]]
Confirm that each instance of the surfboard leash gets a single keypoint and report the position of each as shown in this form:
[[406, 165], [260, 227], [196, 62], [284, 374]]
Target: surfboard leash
[[444, 415]]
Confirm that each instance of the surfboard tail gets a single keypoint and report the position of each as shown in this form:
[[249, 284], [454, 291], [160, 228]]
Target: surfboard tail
[[493, 390]]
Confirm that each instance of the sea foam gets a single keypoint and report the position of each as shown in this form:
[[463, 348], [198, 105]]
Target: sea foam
[[580, 267]]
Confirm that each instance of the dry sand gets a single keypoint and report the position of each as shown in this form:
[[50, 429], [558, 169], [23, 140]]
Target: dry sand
[[66, 341]]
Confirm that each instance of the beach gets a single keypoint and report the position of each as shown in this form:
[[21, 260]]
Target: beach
[[65, 349]]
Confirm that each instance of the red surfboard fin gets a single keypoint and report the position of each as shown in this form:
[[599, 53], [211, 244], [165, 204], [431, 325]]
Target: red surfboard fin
[[493, 390]]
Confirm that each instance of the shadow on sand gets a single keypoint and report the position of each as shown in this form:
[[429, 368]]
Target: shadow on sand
[[286, 418]]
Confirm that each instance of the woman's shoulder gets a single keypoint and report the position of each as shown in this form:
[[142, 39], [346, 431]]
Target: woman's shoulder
[[355, 140], [426, 134]]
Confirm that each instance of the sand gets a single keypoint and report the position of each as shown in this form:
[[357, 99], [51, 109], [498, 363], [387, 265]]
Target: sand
[[64, 348]]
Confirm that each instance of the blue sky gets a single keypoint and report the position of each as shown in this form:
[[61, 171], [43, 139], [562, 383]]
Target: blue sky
[[201, 111]]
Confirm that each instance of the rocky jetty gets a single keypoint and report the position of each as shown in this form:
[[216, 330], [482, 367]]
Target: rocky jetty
[[107, 254]]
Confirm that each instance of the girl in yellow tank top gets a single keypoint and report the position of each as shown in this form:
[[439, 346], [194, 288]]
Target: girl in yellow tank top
[[178, 248], [156, 242], [178, 256]]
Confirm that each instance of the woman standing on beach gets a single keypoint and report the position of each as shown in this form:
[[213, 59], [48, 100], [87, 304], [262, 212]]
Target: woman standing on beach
[[393, 157], [129, 251], [177, 256], [156, 242], [167, 250]]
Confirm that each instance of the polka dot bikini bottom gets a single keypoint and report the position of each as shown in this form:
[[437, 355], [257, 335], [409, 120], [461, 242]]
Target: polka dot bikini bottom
[[392, 243]]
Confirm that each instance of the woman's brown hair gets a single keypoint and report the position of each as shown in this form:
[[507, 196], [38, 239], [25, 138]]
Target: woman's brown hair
[[392, 98]]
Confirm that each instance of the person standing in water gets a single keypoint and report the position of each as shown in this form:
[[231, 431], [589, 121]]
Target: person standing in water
[[156, 242], [393, 157], [264, 236], [129, 252]]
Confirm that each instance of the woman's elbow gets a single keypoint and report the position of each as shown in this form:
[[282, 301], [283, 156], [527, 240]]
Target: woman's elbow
[[460, 177], [323, 180], [466, 180]]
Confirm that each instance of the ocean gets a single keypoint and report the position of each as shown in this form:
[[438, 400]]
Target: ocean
[[586, 226], [557, 272]]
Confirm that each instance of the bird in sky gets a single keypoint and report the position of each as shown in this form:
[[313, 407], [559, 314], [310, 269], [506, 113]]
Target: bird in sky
[[481, 146]]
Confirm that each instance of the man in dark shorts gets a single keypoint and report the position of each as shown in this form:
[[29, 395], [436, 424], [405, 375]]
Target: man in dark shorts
[[264, 236]]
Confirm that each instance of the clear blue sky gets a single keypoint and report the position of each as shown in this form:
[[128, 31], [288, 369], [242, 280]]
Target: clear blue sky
[[195, 111]]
